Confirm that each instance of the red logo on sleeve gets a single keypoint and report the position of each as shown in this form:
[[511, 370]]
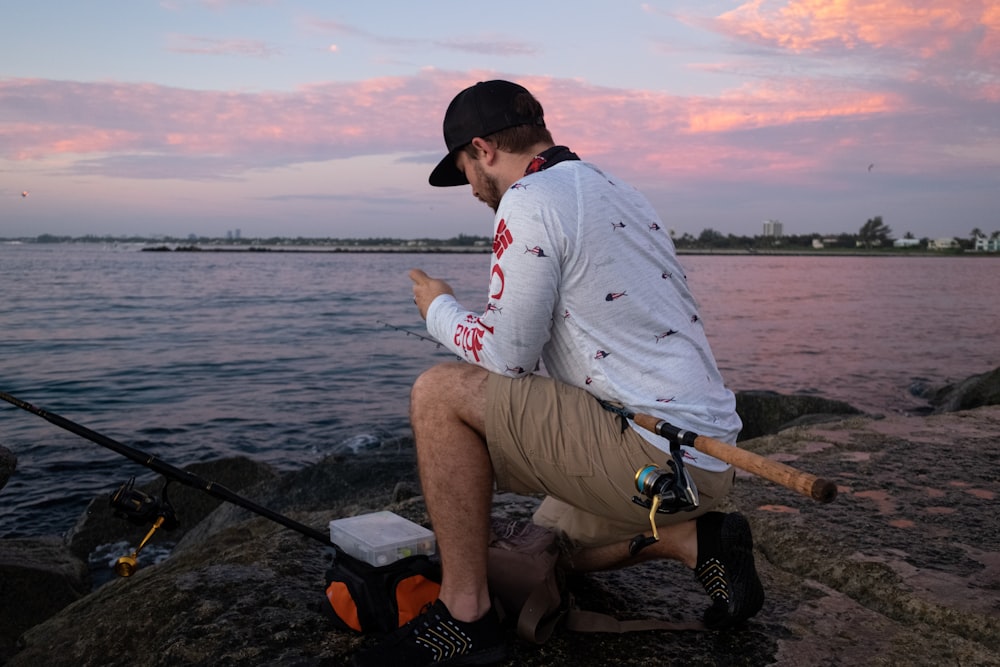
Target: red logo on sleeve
[[502, 239], [469, 337]]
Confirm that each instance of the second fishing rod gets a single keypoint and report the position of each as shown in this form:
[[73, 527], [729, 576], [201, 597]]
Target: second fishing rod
[[140, 508]]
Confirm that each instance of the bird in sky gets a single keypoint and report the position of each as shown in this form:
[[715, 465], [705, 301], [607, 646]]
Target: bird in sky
[[24, 193], [870, 166]]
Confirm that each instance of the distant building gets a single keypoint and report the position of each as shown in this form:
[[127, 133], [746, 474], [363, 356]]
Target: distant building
[[987, 244], [943, 244], [773, 228], [906, 243]]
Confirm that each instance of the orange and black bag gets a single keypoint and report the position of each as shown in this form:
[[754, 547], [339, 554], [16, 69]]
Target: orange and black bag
[[369, 598]]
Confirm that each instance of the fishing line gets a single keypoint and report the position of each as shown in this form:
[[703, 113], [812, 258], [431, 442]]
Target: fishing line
[[416, 335]]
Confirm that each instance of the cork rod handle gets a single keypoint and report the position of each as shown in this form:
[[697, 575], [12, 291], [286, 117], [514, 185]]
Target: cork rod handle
[[805, 483]]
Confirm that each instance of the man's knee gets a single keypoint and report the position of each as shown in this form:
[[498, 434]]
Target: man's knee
[[455, 387]]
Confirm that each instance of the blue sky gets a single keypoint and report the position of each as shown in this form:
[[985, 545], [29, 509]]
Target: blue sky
[[323, 119]]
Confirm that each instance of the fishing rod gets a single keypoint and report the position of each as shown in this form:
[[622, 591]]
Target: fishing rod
[[139, 507], [807, 484], [416, 335]]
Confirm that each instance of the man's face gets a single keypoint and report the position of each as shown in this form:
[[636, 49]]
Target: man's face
[[485, 187]]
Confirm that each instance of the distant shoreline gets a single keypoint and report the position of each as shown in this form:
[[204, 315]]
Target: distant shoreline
[[484, 251], [481, 248]]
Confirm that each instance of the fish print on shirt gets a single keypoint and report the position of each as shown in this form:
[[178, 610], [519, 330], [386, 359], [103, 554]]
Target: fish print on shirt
[[536, 251], [617, 225], [665, 334], [614, 296]]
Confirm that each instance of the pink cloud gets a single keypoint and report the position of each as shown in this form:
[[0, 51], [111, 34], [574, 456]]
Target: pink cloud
[[151, 131], [775, 105], [923, 27]]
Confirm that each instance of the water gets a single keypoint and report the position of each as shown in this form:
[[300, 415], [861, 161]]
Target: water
[[281, 356]]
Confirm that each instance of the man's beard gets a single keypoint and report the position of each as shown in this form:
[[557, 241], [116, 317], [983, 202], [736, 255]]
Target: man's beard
[[489, 192]]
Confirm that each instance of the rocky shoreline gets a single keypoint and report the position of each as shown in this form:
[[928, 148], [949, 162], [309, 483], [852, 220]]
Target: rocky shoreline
[[902, 569]]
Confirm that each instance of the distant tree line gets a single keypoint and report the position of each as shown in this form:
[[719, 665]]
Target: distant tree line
[[462, 240], [873, 234]]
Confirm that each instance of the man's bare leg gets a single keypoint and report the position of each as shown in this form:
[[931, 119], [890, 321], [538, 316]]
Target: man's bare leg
[[677, 542], [448, 415], [726, 569]]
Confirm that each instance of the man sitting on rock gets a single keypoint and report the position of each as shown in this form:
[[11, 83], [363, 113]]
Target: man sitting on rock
[[585, 286]]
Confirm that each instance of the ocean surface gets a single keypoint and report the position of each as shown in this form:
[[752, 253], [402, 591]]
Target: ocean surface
[[286, 357]]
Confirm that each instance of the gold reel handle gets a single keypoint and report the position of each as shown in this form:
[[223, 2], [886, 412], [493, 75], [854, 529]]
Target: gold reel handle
[[127, 565]]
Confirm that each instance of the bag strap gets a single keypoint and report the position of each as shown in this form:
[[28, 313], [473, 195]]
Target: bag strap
[[533, 624], [581, 620]]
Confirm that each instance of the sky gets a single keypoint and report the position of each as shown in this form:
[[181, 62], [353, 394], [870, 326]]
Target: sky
[[323, 119]]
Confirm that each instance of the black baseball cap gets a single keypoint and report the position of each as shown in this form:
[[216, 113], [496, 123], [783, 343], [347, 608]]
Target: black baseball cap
[[479, 111]]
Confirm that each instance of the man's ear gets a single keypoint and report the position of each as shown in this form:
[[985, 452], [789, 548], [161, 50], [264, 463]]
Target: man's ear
[[485, 150]]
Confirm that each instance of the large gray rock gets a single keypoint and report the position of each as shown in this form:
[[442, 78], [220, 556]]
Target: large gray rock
[[973, 392], [38, 577], [8, 464], [902, 569], [767, 412]]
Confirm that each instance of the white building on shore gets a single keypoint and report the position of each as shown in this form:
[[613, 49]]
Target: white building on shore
[[943, 244], [773, 229], [988, 243]]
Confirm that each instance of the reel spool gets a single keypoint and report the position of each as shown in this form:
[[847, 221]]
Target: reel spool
[[665, 491]]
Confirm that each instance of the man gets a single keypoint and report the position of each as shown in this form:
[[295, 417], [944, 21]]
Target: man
[[585, 284]]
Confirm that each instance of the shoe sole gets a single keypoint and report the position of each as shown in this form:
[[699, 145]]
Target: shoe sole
[[490, 656], [746, 594]]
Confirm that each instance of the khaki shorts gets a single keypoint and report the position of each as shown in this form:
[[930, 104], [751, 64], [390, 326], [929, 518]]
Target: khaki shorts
[[548, 437]]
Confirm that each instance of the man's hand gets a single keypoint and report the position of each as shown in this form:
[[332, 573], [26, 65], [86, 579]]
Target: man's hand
[[426, 289]]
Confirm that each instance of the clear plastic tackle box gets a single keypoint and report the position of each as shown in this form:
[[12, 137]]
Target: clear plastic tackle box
[[381, 538]]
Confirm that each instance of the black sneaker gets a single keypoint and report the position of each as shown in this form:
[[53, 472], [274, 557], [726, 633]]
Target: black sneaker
[[726, 569], [435, 638]]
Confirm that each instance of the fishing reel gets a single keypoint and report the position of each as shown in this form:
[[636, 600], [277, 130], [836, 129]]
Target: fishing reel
[[141, 509], [665, 491]]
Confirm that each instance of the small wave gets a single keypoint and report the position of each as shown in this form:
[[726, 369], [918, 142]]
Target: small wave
[[358, 444]]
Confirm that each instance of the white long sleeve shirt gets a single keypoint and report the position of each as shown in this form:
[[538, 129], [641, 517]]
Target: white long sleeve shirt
[[585, 281]]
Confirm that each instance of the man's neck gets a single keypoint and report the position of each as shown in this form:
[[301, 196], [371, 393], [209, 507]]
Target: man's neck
[[550, 157], [514, 164]]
